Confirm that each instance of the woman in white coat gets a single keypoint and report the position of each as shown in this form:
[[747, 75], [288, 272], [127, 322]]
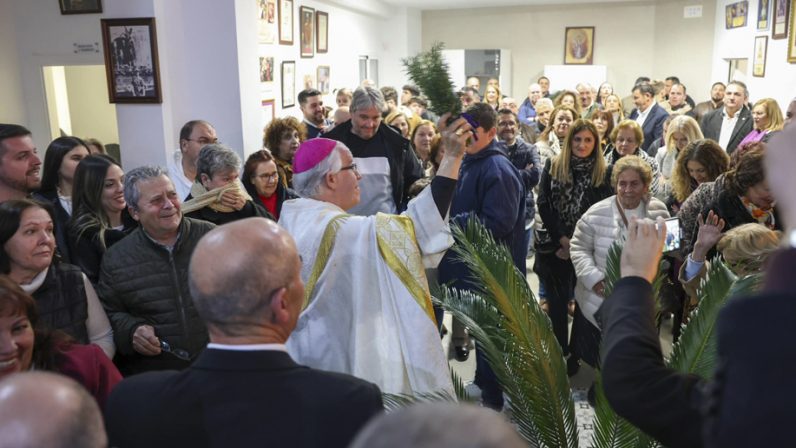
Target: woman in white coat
[[604, 223]]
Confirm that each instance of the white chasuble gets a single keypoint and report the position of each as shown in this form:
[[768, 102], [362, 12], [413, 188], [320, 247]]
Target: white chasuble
[[367, 307]]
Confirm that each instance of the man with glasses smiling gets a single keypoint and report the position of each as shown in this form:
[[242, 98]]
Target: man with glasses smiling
[[182, 167]]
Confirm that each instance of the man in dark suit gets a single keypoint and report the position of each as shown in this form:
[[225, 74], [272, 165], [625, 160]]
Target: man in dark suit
[[749, 401], [244, 389], [730, 124], [648, 114]]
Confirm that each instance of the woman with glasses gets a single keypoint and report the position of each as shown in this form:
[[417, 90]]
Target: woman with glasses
[[261, 180]]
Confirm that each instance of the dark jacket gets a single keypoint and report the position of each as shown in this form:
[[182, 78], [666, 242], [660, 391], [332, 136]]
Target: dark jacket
[[240, 398], [282, 194], [490, 189], [405, 168], [548, 204], [653, 124], [87, 251], [521, 155], [711, 127], [249, 210], [61, 301], [142, 283], [748, 401]]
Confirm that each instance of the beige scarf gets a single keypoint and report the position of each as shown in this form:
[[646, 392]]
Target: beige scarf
[[201, 198]]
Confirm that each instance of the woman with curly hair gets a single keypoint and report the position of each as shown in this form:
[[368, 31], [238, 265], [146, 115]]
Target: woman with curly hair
[[701, 161], [282, 137], [569, 98]]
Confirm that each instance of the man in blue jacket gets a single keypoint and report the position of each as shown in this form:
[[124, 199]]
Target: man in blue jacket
[[491, 189]]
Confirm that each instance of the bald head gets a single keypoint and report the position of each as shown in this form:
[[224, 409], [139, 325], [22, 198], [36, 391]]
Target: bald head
[[45, 410], [431, 425], [245, 275]]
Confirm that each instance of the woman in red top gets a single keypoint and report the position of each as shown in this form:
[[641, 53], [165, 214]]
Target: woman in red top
[[261, 179], [25, 346]]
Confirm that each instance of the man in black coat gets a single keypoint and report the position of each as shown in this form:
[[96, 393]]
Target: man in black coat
[[749, 401], [730, 124], [244, 389], [648, 114]]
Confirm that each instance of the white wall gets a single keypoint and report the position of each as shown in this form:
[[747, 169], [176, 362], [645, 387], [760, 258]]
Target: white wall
[[780, 79], [12, 105], [91, 115], [630, 39]]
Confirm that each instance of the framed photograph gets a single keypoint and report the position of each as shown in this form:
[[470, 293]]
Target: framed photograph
[[266, 69], [323, 79], [285, 22], [736, 14], [763, 14], [266, 21], [322, 32], [307, 35], [131, 60], [288, 84], [579, 45], [759, 64], [80, 6], [268, 110], [792, 39], [779, 28]]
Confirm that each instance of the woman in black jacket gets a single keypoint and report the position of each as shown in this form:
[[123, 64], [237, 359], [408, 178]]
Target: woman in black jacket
[[261, 180]]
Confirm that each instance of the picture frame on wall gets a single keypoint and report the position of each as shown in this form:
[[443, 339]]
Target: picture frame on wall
[[759, 61], [779, 26], [268, 110], [307, 31], [288, 84], [267, 21], [322, 32], [131, 60], [579, 45], [285, 22], [323, 79], [80, 6], [736, 14], [763, 14], [792, 38]]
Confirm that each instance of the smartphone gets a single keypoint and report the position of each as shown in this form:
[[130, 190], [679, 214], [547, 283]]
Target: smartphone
[[672, 235]]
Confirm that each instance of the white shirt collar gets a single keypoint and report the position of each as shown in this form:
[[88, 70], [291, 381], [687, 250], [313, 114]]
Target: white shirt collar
[[248, 347]]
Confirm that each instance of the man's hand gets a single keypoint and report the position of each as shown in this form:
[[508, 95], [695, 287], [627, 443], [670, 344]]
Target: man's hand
[[233, 199], [563, 251], [599, 288], [454, 140], [709, 234], [643, 248], [780, 160], [145, 342]]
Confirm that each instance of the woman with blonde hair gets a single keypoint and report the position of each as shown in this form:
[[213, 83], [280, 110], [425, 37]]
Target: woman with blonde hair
[[613, 104], [767, 121], [398, 120], [492, 96], [571, 183], [682, 131]]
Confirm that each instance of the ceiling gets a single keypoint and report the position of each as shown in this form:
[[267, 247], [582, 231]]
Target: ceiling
[[459, 4]]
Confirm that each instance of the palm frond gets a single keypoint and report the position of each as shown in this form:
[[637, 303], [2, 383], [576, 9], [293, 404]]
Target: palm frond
[[613, 271], [610, 430], [516, 338], [393, 402], [430, 72]]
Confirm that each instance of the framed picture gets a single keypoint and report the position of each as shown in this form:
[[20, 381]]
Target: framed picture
[[323, 79], [322, 32], [579, 45], [288, 84], [131, 60], [738, 69], [792, 39], [268, 110], [759, 64], [307, 37], [266, 69], [267, 21], [763, 14], [80, 6], [779, 28], [736, 14], [285, 22]]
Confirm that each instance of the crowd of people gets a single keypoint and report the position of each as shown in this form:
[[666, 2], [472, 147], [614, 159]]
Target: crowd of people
[[267, 293]]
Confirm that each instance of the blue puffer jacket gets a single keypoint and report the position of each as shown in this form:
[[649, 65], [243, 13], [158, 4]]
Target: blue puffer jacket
[[490, 188]]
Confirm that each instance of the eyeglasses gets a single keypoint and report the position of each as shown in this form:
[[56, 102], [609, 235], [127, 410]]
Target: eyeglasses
[[269, 177], [203, 141], [352, 167]]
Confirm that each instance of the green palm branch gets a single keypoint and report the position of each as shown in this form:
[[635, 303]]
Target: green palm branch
[[515, 336], [430, 72]]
